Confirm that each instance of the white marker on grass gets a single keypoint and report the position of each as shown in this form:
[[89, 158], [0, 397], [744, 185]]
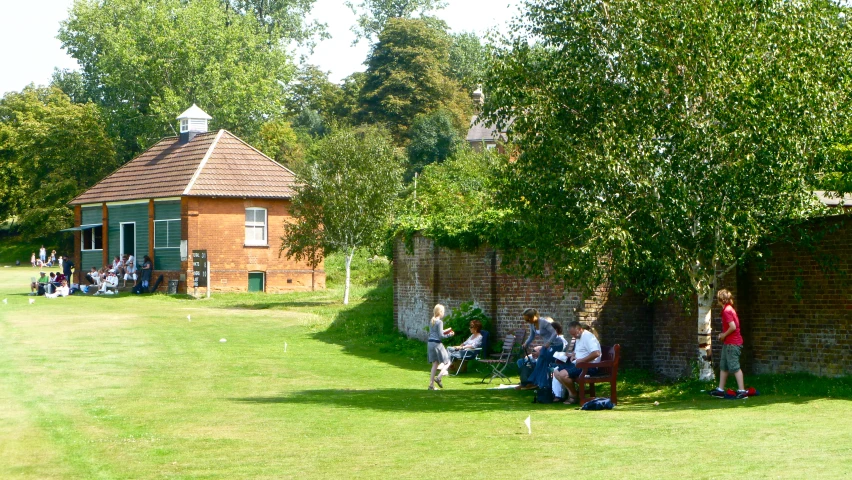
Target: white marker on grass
[[188, 317], [527, 423], [32, 301], [285, 347], [222, 340], [5, 301]]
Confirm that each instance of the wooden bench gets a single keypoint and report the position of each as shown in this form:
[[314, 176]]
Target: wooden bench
[[607, 373]]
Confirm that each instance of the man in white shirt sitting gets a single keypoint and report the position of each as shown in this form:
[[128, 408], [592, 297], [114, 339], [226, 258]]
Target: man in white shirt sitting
[[587, 348], [110, 282], [61, 291]]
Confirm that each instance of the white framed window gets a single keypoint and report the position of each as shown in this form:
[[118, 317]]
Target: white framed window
[[92, 238], [490, 146], [167, 233], [256, 226]]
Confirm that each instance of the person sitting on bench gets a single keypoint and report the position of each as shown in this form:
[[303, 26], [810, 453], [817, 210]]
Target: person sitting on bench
[[93, 277], [474, 341], [587, 348]]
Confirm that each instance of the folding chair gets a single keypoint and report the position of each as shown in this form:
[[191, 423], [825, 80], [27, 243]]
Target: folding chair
[[473, 353], [498, 365]]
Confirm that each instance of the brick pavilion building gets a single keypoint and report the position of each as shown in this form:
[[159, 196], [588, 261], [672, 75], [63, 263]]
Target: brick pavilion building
[[198, 191]]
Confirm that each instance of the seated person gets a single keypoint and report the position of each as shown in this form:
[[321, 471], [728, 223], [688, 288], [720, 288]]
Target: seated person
[[587, 348], [93, 277], [37, 287], [61, 291], [130, 270], [118, 266], [110, 282], [472, 342]]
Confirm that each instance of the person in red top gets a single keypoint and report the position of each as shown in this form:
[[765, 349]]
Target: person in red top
[[732, 348]]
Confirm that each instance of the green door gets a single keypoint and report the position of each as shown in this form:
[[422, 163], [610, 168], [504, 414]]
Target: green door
[[255, 282]]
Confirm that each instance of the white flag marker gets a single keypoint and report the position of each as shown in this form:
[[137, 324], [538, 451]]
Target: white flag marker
[[285, 347], [32, 301], [189, 317], [527, 423], [5, 301], [222, 340]]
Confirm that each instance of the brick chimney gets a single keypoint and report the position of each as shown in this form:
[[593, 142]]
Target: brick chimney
[[192, 122]]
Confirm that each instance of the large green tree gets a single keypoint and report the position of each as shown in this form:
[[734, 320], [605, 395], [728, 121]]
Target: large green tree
[[663, 141], [347, 201], [50, 150], [407, 75], [374, 15], [469, 58], [145, 62]]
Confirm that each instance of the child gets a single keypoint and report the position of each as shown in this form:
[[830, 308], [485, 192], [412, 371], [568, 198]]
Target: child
[[435, 350], [732, 348], [32, 260]]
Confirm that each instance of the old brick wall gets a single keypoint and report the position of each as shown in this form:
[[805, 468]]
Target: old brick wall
[[218, 226], [797, 307], [425, 275]]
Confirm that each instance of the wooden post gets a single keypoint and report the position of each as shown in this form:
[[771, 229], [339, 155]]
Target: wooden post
[[151, 229], [77, 255], [104, 235]]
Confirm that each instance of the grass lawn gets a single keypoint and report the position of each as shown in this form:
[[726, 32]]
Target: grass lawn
[[128, 387]]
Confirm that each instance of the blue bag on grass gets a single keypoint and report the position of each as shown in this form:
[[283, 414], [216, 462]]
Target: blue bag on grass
[[600, 403]]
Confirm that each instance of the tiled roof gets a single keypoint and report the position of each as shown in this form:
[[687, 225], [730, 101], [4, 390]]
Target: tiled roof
[[211, 164], [235, 169], [480, 132]]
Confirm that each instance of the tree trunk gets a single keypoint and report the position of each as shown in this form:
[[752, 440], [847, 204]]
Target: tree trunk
[[349, 256], [705, 330]]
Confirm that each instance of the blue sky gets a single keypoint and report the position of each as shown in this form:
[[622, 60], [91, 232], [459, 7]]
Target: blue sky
[[30, 50]]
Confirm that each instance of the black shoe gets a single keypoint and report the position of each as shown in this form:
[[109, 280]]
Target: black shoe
[[741, 394], [717, 392]]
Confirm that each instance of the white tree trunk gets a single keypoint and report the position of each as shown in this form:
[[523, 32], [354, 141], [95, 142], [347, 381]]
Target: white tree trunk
[[705, 330], [349, 255]]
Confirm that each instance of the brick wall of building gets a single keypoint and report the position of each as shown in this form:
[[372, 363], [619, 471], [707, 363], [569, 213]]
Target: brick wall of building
[[218, 226]]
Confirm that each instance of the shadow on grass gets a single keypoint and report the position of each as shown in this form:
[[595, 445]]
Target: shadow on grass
[[367, 330], [422, 400]]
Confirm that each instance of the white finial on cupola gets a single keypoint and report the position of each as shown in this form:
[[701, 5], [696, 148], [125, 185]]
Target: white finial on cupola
[[193, 121]]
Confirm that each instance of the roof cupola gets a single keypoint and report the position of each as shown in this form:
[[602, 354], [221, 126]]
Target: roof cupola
[[192, 122]]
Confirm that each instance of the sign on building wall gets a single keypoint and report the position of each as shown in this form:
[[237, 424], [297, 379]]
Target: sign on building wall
[[199, 268]]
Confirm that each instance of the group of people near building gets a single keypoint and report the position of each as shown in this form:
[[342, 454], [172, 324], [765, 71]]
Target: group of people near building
[[555, 364], [54, 284], [45, 260], [107, 278]]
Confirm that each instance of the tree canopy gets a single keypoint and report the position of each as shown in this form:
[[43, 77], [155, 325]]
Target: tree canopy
[[407, 76], [351, 183], [50, 150], [663, 141], [373, 15], [145, 62]]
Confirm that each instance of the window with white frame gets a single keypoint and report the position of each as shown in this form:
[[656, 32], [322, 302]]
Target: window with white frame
[[167, 233], [92, 238], [256, 226]]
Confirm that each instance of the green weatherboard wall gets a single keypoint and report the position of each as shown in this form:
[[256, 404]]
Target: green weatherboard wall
[[118, 214], [167, 235], [91, 258]]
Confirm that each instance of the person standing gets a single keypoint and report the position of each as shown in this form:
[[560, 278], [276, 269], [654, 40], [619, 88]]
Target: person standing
[[42, 254], [435, 350], [67, 267], [147, 272], [542, 327], [33, 260], [732, 346]]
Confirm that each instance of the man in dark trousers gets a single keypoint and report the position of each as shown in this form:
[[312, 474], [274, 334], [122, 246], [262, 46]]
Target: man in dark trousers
[[67, 265]]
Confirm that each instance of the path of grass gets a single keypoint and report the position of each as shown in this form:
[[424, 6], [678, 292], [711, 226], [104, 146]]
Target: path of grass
[[127, 387]]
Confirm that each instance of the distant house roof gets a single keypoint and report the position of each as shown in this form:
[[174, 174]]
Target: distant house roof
[[212, 164], [832, 200], [479, 131]]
